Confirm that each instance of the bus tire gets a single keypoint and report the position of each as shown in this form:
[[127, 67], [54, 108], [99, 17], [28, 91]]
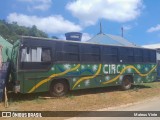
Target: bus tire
[[126, 83], [59, 88]]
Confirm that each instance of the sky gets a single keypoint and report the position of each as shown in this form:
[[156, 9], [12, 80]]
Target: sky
[[140, 19]]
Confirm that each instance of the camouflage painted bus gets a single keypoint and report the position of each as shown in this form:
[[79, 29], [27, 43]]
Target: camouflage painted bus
[[57, 66]]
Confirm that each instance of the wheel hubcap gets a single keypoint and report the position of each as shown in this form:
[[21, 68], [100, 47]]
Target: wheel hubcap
[[59, 87]]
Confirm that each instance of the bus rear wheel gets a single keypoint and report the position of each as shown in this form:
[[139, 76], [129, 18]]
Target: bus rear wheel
[[126, 83], [59, 88]]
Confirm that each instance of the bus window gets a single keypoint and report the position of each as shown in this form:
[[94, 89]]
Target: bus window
[[152, 56], [158, 55], [46, 55], [34, 57], [110, 54], [138, 56], [130, 55]]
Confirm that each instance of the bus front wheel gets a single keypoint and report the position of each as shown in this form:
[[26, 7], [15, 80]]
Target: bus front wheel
[[59, 88], [126, 83]]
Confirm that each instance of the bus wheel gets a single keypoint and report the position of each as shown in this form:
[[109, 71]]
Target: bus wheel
[[59, 88], [126, 83]]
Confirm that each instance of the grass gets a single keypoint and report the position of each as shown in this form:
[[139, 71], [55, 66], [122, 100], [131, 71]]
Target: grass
[[79, 100]]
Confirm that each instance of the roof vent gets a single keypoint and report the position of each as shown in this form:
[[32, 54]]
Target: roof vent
[[75, 36]]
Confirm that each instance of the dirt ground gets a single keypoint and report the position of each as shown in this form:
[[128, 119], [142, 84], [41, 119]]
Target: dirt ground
[[82, 100]]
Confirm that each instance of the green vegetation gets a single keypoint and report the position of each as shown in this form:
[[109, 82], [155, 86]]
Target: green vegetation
[[11, 31]]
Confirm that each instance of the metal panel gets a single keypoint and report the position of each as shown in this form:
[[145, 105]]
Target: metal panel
[[110, 40]]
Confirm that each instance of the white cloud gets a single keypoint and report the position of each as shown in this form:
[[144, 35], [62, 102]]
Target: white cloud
[[151, 46], [89, 11], [154, 29], [86, 36], [127, 27], [50, 24], [37, 4]]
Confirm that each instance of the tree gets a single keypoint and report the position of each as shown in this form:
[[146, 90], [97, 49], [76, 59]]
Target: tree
[[12, 31], [54, 37]]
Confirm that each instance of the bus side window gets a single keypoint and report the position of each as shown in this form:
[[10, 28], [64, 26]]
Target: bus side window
[[46, 55], [35, 57], [138, 55]]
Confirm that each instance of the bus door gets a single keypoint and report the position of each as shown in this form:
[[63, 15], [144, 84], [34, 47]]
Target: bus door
[[35, 64]]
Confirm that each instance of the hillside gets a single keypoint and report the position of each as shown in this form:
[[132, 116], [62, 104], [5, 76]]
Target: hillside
[[11, 31]]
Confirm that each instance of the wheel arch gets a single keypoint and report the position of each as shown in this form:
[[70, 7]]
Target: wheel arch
[[127, 82], [130, 76]]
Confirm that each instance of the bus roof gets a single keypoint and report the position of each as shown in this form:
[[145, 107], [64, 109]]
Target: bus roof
[[80, 42]]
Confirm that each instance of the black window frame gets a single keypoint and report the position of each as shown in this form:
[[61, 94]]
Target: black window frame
[[35, 66], [121, 54], [108, 55], [88, 53], [62, 55]]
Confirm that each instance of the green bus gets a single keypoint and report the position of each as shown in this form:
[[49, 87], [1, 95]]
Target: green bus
[[57, 66]]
